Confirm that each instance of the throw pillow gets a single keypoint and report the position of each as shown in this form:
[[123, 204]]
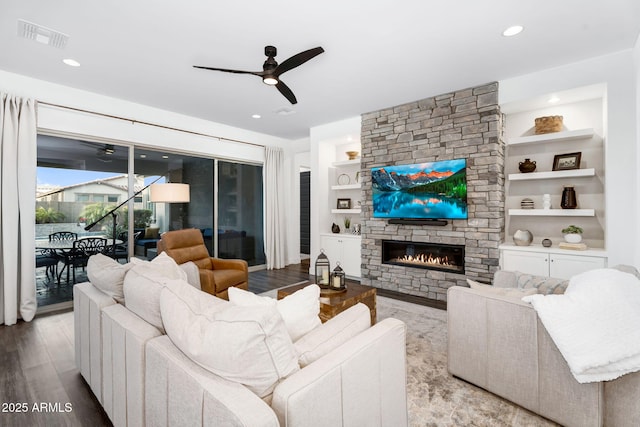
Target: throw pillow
[[151, 232], [107, 274], [544, 285], [143, 284], [299, 310], [332, 334], [505, 292], [247, 345]]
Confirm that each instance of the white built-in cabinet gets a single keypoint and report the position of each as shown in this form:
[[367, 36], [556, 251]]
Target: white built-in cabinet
[[557, 263], [345, 249]]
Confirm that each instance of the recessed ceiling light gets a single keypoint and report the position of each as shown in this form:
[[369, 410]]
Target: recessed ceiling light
[[165, 157], [554, 99], [513, 30], [71, 62], [143, 156], [256, 116]]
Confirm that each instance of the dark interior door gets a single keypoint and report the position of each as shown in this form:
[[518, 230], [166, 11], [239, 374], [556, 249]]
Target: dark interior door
[[305, 212]]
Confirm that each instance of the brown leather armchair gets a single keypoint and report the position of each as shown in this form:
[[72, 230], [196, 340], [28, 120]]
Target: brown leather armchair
[[216, 274]]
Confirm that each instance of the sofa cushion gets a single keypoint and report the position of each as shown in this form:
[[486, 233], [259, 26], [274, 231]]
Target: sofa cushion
[[143, 283], [507, 292], [108, 275], [247, 345], [193, 273], [333, 333], [300, 310]]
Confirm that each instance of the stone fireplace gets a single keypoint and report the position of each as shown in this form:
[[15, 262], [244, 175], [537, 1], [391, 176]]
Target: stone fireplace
[[462, 124], [429, 256]]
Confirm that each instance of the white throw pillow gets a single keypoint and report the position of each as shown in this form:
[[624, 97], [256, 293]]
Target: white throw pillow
[[506, 292], [143, 284], [193, 274], [107, 274], [333, 333], [247, 345], [299, 310]]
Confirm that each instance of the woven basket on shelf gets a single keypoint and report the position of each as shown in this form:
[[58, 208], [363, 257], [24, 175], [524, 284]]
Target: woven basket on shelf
[[548, 124]]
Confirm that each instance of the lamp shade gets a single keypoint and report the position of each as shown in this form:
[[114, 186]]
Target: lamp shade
[[169, 193]]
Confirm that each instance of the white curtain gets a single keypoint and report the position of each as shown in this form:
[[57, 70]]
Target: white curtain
[[17, 208], [275, 233]]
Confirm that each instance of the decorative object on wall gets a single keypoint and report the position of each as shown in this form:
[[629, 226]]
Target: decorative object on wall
[[572, 234], [347, 224], [546, 243], [343, 179], [562, 162], [337, 278], [344, 204], [323, 270], [527, 204], [569, 200], [527, 166], [335, 228], [546, 201], [522, 237], [548, 124], [352, 155]]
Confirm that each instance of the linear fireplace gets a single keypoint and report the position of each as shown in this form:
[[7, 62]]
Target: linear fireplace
[[432, 256]]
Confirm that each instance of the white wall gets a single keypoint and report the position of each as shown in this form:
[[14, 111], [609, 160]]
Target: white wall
[[61, 121], [620, 131], [636, 62]]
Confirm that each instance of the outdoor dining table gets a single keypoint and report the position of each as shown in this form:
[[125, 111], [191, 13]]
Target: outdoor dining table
[[65, 246]]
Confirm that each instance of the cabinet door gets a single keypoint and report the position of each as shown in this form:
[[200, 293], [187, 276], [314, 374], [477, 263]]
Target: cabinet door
[[564, 266], [350, 261], [526, 262], [332, 249]]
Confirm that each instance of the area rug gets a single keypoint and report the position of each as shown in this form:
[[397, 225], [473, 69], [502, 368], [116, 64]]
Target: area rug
[[435, 398]]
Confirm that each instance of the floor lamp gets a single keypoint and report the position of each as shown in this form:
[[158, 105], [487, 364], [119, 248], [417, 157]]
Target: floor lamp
[[159, 193]]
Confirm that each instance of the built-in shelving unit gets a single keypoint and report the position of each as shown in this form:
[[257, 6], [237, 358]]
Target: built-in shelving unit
[[345, 211], [552, 212], [575, 173], [355, 186], [568, 135]]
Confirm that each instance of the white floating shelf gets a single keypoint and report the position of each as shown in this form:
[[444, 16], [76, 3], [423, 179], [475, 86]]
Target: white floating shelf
[[345, 211], [552, 212], [574, 173], [355, 186], [552, 137], [347, 162]]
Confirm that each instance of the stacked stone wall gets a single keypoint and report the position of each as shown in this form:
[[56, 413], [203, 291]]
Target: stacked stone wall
[[462, 124]]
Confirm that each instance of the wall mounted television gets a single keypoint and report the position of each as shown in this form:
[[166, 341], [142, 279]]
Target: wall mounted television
[[421, 191]]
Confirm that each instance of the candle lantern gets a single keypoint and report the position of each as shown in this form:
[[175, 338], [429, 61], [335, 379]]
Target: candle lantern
[[337, 277], [323, 269]]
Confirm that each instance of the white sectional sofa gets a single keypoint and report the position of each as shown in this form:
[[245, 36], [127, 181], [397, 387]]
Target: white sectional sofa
[[143, 379]]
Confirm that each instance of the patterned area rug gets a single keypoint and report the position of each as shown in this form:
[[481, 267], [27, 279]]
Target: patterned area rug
[[435, 398]]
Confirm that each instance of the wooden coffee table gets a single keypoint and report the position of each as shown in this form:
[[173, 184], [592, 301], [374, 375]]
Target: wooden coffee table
[[333, 302]]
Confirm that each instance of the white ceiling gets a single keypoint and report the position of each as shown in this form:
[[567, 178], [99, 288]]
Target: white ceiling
[[377, 53]]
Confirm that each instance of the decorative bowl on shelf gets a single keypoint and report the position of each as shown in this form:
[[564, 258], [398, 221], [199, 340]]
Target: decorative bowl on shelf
[[352, 155]]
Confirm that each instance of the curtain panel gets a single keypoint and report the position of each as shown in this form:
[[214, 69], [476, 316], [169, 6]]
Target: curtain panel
[[275, 230], [18, 153]]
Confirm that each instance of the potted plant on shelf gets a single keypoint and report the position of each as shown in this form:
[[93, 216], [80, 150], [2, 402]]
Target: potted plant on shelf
[[572, 234], [347, 223]]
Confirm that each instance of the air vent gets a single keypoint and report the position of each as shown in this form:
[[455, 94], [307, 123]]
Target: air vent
[[41, 34]]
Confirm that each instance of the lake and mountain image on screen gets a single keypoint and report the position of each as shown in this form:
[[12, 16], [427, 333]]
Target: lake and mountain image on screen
[[434, 190]]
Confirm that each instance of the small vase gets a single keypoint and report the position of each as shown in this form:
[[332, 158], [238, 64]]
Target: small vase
[[522, 237], [527, 166], [568, 198], [335, 228], [573, 238]]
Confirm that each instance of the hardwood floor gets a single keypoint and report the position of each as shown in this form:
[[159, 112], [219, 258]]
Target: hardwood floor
[[39, 375]]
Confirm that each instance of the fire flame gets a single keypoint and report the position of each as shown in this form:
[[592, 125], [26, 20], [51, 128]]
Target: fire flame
[[427, 259]]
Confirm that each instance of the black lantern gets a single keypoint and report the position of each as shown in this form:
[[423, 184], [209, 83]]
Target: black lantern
[[323, 269], [337, 277]]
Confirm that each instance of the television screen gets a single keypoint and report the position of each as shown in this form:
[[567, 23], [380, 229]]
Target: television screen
[[434, 190]]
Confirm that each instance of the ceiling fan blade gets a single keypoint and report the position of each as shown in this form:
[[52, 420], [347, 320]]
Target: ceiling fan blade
[[284, 89], [297, 60], [226, 70]]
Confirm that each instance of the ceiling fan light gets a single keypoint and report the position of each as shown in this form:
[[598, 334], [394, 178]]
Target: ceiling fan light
[[270, 80]]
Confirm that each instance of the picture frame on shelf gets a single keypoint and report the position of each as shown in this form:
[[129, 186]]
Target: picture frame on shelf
[[568, 161], [344, 204]]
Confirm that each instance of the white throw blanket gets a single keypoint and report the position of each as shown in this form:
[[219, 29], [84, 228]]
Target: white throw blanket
[[595, 324]]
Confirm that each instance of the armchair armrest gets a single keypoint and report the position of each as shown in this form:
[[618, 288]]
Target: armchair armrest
[[371, 367], [230, 264]]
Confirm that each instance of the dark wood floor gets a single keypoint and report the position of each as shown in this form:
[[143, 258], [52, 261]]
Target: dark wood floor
[[39, 383]]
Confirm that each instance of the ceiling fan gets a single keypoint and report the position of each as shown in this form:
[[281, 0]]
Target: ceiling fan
[[271, 71]]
